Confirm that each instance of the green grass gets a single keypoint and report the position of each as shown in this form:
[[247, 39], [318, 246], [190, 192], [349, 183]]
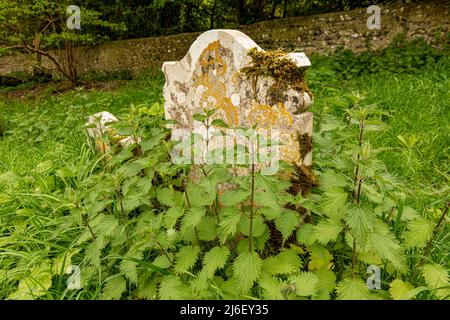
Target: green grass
[[418, 107], [44, 136]]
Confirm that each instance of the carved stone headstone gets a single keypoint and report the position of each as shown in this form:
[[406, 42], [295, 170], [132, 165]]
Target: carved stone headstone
[[99, 125], [212, 76]]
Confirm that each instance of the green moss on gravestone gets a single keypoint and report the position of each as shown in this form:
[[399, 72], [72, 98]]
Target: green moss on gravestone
[[283, 71]]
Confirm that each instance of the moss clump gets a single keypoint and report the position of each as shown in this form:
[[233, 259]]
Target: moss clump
[[304, 179], [273, 64], [305, 142]]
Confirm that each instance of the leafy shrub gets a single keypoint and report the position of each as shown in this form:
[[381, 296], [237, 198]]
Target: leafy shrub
[[139, 227], [401, 56]]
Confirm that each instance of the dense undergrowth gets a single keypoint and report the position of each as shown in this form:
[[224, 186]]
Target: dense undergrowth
[[137, 227]]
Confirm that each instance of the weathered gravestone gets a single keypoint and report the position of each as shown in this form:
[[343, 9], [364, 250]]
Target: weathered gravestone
[[227, 71], [99, 125]]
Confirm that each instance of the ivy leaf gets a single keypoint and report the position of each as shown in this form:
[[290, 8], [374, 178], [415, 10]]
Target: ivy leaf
[[287, 222], [419, 232], [436, 277], [305, 284], [229, 223], [185, 258], [401, 290], [215, 259], [327, 230], [114, 287], [361, 220], [246, 269], [353, 289]]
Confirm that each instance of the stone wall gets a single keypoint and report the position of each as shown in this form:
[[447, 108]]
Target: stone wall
[[312, 34]]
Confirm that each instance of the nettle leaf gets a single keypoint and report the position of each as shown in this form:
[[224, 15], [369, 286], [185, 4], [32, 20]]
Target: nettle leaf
[[259, 227], [163, 261], [287, 222], [353, 288], [201, 194], [330, 179], [104, 225], [401, 290], [246, 269], [207, 229], [171, 216], [305, 234], [233, 197], [285, 262], [147, 288], [305, 284], [419, 233], [271, 213], [437, 278], [327, 230], [93, 251], [192, 218], [386, 245], [326, 284], [129, 267], [361, 220], [214, 259], [186, 258], [114, 287], [172, 288], [319, 257], [266, 199], [409, 214], [271, 288], [228, 223], [166, 196], [333, 202]]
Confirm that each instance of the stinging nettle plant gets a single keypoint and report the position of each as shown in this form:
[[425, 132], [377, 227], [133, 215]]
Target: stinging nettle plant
[[139, 226]]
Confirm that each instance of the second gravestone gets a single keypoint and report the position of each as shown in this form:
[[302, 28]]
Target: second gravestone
[[228, 72]]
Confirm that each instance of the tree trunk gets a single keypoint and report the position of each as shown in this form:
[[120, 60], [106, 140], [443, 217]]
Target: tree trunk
[[240, 11], [212, 15]]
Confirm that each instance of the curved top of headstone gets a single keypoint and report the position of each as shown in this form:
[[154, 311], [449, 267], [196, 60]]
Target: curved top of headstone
[[210, 76]]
